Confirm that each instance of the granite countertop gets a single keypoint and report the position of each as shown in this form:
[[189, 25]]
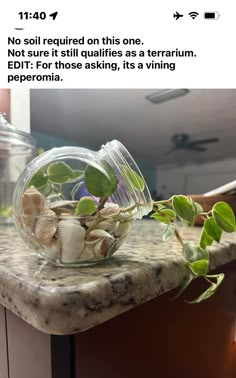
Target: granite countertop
[[69, 300]]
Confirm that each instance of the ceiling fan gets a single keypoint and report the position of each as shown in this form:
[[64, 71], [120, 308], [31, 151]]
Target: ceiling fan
[[184, 142]]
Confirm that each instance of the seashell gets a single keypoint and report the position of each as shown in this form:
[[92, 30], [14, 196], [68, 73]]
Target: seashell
[[53, 250], [107, 225], [62, 203], [97, 249], [94, 235], [103, 246], [72, 220], [33, 203], [45, 227], [63, 211], [109, 209], [97, 244], [123, 228], [71, 235]]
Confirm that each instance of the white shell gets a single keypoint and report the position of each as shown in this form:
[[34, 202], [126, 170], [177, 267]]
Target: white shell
[[53, 250], [61, 203], [102, 248], [108, 226], [45, 227], [33, 203], [97, 234], [63, 211], [71, 235], [123, 228], [97, 245], [109, 209]]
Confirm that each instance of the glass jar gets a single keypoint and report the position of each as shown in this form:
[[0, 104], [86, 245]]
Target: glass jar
[[74, 206], [17, 149]]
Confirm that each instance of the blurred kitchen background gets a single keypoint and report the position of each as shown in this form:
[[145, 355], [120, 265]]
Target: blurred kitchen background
[[183, 140]]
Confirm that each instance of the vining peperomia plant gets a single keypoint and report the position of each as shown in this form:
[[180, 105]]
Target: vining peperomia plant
[[101, 184]]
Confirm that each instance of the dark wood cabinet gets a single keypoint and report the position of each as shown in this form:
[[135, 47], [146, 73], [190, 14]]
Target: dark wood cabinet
[[159, 339], [165, 338]]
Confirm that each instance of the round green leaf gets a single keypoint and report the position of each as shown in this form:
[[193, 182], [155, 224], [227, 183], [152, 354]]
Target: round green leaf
[[196, 207], [85, 206], [98, 183], [132, 179], [39, 179], [184, 208], [76, 176], [224, 216], [60, 172], [164, 215], [205, 239], [212, 229], [160, 218], [200, 267], [169, 213]]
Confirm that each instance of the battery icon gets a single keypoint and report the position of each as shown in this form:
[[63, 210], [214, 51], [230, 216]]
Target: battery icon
[[211, 15]]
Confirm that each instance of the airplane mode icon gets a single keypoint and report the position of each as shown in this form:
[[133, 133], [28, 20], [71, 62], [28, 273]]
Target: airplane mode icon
[[177, 15]]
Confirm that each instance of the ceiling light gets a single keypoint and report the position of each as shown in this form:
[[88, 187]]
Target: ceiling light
[[166, 95]]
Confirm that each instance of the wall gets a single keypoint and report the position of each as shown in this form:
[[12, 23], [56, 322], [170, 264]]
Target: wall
[[195, 179], [20, 108], [47, 142], [5, 101]]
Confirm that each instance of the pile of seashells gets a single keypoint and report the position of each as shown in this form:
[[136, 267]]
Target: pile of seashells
[[65, 238]]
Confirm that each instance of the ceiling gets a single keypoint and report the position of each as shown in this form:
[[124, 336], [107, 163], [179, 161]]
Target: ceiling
[[90, 117]]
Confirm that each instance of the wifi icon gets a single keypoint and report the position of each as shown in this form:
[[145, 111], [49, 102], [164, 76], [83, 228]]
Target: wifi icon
[[193, 15]]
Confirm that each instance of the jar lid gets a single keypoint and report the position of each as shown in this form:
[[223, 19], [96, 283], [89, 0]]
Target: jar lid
[[13, 141]]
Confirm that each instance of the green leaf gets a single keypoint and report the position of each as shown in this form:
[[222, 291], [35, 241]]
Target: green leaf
[[184, 286], [200, 267], [205, 239], [196, 207], [60, 172], [160, 218], [98, 183], [224, 216], [184, 208], [76, 176], [169, 213], [85, 206], [39, 179], [164, 215], [161, 207], [211, 290], [132, 179], [212, 229], [168, 232], [192, 252]]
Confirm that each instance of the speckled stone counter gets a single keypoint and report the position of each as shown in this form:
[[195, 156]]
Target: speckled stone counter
[[65, 301]]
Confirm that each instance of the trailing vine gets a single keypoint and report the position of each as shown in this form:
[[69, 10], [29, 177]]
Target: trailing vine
[[179, 208]]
